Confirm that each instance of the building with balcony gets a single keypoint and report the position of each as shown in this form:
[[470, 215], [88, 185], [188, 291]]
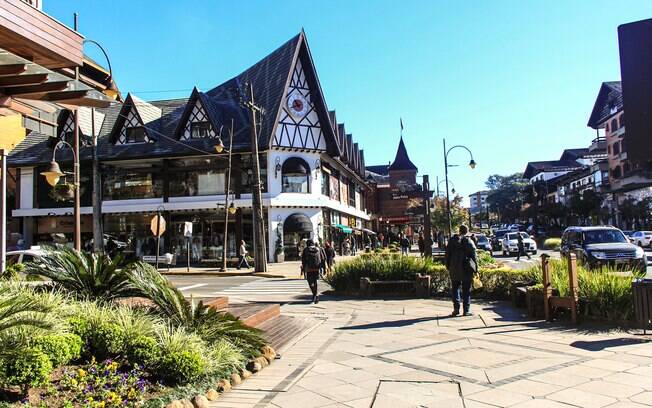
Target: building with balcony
[[160, 156]]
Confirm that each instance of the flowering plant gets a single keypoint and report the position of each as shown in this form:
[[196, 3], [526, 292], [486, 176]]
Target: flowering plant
[[103, 385]]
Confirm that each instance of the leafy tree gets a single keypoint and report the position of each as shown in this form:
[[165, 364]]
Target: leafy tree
[[506, 195], [439, 217], [636, 213], [586, 205]]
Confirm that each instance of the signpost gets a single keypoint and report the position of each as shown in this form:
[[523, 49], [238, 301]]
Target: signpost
[[157, 225], [187, 232]]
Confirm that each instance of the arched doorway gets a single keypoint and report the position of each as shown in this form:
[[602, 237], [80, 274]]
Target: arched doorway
[[297, 229]]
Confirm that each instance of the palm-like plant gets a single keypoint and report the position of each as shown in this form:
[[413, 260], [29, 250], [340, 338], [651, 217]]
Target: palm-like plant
[[82, 274]]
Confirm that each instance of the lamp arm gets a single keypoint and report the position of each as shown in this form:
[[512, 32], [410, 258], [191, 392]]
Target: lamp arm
[[56, 146], [108, 61], [463, 147]]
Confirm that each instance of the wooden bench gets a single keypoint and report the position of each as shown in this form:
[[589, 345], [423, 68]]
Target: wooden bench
[[551, 302], [420, 287], [166, 259]]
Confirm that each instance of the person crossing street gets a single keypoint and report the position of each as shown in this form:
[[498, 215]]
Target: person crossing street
[[310, 263]]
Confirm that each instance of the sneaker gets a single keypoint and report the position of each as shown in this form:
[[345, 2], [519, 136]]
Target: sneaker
[[455, 313], [316, 299], [468, 314]]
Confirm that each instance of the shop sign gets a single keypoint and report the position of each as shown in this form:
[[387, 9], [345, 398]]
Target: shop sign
[[352, 222], [345, 221], [62, 224], [157, 225]]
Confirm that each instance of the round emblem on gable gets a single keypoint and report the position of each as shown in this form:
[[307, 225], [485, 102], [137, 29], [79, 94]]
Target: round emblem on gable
[[297, 104]]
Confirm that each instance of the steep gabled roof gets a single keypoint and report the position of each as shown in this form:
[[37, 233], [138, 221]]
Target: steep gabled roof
[[146, 112], [344, 149], [574, 154], [195, 96], [610, 97], [550, 166], [402, 160]]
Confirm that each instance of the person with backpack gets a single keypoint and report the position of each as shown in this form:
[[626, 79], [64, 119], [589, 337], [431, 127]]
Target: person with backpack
[[322, 255], [462, 265], [310, 263], [405, 245]]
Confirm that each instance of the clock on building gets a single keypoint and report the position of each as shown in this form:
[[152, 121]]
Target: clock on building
[[297, 104]]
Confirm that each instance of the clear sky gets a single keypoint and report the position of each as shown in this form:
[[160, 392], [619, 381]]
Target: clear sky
[[515, 81]]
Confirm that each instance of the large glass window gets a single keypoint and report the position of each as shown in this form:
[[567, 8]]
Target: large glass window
[[325, 184], [197, 183], [296, 176], [132, 185], [136, 135], [247, 173], [351, 194]]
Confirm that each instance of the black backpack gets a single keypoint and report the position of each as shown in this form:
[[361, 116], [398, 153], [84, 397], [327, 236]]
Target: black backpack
[[312, 258]]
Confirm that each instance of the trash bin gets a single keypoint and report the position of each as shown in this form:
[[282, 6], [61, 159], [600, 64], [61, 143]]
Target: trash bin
[[642, 294]]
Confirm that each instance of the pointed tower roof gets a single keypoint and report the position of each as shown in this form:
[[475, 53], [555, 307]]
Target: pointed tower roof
[[402, 160]]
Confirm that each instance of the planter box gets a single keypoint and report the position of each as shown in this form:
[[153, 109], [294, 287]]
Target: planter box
[[642, 294], [534, 302]]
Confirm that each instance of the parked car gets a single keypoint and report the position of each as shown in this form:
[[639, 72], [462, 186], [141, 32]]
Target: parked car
[[510, 243], [24, 255], [628, 234], [597, 246], [642, 238], [496, 240], [483, 242]]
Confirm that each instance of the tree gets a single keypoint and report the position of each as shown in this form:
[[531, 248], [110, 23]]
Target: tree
[[506, 195], [636, 213], [586, 205], [439, 218]]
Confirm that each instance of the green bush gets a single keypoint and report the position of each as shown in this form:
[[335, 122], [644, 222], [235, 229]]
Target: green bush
[[60, 348], [552, 244], [485, 259], [182, 358], [31, 367], [143, 350], [99, 330]]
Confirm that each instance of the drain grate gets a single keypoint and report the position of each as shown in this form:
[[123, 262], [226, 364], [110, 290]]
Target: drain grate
[[416, 394]]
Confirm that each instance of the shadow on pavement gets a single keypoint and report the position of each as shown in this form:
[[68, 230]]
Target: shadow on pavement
[[391, 323], [600, 345]]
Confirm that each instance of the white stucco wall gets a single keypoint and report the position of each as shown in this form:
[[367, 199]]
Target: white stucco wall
[[278, 215], [26, 187]]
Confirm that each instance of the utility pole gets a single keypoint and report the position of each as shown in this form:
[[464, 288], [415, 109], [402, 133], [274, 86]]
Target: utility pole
[[77, 209], [260, 250], [3, 210], [226, 202], [427, 225]]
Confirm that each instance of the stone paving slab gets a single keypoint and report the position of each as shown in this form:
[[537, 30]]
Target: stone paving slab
[[392, 352]]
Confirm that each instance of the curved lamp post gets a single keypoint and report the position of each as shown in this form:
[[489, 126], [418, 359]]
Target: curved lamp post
[[53, 174], [229, 208], [472, 165]]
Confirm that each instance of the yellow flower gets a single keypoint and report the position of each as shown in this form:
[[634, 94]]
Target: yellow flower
[[81, 372], [73, 382]]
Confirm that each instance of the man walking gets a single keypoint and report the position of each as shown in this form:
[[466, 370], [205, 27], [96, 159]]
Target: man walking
[[405, 245], [310, 262], [461, 263], [330, 257], [422, 245], [242, 253], [521, 247]]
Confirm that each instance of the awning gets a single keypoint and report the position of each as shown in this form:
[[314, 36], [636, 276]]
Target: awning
[[297, 222], [343, 228]]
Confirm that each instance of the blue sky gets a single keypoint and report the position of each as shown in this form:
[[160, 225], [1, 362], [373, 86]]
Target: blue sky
[[514, 81]]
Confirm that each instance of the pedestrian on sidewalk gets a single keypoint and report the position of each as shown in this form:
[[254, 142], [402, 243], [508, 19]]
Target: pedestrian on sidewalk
[[242, 253], [521, 247], [310, 261], [461, 262], [422, 245], [405, 245], [330, 257], [322, 264]]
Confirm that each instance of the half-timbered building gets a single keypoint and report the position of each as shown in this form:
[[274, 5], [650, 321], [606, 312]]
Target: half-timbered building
[[160, 155]]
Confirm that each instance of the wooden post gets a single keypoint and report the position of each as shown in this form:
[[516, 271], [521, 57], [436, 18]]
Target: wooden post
[[547, 286], [573, 286]]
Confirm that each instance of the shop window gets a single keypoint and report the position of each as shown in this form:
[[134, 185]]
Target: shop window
[[136, 135], [295, 176], [197, 183], [352, 195], [132, 185], [200, 130], [247, 173]]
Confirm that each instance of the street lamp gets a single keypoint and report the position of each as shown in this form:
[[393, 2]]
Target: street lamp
[[472, 165], [229, 208], [54, 174]]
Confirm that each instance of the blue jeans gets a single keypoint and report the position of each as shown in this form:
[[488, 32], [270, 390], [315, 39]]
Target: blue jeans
[[464, 297], [243, 260]]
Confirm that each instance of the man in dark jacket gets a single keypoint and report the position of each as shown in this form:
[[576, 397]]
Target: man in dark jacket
[[461, 263], [310, 263]]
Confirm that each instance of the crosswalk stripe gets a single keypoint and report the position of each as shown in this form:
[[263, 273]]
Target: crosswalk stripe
[[196, 285], [267, 288]]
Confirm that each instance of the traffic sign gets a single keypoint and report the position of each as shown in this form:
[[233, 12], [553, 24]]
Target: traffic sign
[[157, 224]]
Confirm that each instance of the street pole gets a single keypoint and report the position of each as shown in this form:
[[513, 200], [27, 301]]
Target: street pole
[[98, 236], [448, 200], [226, 201], [427, 225], [77, 214], [158, 234], [3, 210], [260, 252]]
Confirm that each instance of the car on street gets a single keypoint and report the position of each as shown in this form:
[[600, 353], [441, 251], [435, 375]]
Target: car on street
[[628, 234], [24, 255], [598, 246], [510, 243], [483, 242], [642, 238], [497, 239]]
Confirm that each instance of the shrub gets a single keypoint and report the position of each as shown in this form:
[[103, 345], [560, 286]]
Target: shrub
[[182, 356], [31, 367], [485, 259], [82, 274], [552, 244], [143, 350], [102, 336], [60, 348]]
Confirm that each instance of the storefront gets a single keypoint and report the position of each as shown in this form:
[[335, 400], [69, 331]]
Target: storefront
[[60, 230], [297, 229]]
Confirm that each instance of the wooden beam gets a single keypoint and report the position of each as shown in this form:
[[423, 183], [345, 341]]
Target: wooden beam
[[42, 89], [12, 69], [20, 80]]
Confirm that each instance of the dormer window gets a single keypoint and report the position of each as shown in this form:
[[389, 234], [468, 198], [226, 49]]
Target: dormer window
[[136, 135], [200, 130]]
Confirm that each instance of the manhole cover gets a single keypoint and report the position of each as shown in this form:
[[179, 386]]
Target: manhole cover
[[403, 394]]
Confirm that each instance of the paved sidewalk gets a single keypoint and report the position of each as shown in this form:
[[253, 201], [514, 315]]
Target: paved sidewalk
[[407, 353]]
